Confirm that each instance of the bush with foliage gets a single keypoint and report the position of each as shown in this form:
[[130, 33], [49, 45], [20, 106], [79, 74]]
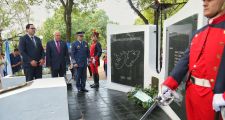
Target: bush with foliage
[[152, 92]]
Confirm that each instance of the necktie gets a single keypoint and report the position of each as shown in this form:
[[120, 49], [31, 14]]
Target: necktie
[[58, 46], [33, 40]]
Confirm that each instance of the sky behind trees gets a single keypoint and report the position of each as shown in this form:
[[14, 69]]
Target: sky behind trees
[[117, 10]]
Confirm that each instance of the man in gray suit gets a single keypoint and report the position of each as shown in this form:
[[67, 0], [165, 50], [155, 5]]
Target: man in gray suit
[[32, 52], [57, 57]]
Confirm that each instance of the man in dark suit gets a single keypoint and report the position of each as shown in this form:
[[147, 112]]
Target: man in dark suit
[[57, 57], [32, 52], [79, 56]]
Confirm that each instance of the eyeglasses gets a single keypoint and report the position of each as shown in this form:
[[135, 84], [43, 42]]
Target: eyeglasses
[[33, 28]]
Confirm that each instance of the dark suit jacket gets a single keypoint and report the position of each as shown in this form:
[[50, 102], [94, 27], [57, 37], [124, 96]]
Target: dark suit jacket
[[29, 51], [55, 59]]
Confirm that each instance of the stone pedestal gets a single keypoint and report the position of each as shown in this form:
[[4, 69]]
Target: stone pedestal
[[44, 99]]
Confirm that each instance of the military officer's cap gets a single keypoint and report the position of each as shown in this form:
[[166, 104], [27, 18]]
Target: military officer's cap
[[80, 33]]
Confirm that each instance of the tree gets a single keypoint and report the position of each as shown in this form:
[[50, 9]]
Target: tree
[[68, 6], [138, 12], [56, 22], [14, 14], [149, 15], [148, 8], [82, 21]]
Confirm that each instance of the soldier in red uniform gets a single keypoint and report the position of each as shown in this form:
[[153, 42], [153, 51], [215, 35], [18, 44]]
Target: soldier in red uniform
[[204, 61], [95, 53]]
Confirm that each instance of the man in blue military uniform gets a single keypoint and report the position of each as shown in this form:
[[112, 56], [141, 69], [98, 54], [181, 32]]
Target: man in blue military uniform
[[79, 56]]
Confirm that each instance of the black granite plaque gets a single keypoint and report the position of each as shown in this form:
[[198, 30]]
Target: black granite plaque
[[179, 35], [127, 58], [177, 46]]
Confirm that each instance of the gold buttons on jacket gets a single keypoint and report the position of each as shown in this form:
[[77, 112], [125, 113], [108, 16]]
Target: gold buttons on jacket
[[211, 80], [218, 56], [194, 66], [215, 68]]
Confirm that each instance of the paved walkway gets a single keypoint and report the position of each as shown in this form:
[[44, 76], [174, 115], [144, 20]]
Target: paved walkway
[[106, 104]]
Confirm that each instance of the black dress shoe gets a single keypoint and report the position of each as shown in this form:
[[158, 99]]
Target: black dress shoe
[[95, 86], [84, 90], [80, 91], [92, 85]]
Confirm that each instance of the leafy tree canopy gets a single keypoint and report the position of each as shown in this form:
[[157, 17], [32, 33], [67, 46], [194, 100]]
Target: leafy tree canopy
[[86, 21], [15, 14], [146, 8]]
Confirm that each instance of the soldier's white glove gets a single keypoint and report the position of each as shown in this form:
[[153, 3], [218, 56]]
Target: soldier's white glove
[[218, 102], [166, 93]]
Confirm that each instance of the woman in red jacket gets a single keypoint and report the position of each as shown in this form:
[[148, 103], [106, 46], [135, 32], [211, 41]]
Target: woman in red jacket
[[95, 53]]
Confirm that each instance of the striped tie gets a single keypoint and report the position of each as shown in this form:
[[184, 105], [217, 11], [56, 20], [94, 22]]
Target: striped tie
[[58, 46], [33, 40]]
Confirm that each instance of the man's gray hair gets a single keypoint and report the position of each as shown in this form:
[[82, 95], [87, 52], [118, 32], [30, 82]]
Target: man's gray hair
[[57, 31]]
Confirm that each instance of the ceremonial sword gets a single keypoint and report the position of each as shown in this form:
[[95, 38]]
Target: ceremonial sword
[[159, 101]]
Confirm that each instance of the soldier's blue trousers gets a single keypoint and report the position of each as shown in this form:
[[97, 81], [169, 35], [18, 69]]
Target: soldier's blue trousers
[[80, 77]]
